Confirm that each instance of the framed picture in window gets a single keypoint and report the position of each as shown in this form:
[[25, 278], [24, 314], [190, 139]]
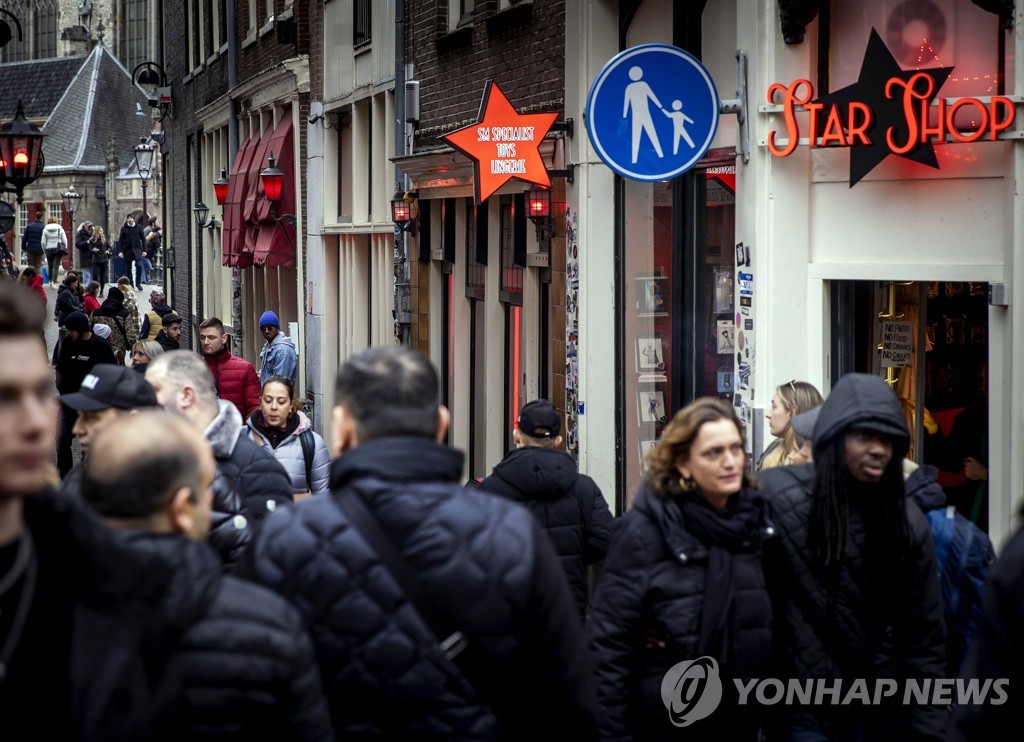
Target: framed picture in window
[[652, 296], [646, 445], [651, 406], [650, 354]]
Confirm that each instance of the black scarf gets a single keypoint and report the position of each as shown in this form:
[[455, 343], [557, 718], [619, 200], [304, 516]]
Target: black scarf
[[736, 528], [274, 436]]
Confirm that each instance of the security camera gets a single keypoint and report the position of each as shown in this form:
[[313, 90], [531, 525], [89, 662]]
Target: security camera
[[314, 117]]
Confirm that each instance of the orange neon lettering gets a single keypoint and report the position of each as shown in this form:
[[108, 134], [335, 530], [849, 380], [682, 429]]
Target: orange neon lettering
[[910, 94], [858, 131], [972, 136], [791, 99], [833, 129], [939, 130], [997, 124]]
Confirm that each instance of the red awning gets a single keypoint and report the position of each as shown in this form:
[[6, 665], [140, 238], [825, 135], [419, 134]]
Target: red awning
[[275, 243], [234, 225]]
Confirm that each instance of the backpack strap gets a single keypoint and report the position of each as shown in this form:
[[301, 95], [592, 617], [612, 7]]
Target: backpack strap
[[308, 447]]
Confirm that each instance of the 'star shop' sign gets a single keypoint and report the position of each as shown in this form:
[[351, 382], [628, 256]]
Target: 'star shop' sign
[[503, 144], [886, 112]]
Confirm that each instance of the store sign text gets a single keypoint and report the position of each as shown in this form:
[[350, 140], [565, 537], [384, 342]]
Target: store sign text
[[850, 126]]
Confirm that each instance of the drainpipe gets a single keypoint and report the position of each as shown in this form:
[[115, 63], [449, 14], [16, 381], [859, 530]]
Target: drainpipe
[[236, 273], [401, 303]]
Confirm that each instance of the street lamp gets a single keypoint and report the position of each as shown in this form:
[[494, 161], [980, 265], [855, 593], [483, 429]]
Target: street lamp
[[71, 200], [144, 152], [202, 211], [272, 178], [151, 77], [220, 187], [21, 153]]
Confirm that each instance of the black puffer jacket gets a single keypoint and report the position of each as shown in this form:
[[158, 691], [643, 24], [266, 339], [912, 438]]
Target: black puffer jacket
[[653, 585], [847, 621], [67, 302], [239, 662], [569, 505], [482, 560], [245, 468], [229, 528]]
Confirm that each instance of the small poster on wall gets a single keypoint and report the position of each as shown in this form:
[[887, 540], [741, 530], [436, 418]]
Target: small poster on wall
[[651, 406], [726, 333], [646, 445], [652, 296], [650, 354]]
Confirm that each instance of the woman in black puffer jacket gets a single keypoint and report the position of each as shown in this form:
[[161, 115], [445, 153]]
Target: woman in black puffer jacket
[[682, 581]]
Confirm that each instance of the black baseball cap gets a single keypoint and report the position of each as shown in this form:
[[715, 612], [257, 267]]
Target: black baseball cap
[[107, 385], [540, 419]]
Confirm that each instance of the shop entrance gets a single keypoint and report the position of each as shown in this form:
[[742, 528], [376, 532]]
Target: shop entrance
[[929, 341]]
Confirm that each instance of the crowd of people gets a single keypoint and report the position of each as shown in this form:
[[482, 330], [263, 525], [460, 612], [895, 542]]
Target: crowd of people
[[212, 568]]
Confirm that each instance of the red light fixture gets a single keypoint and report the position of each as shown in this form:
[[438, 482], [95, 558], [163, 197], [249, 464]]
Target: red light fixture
[[538, 203], [220, 187], [402, 212], [21, 151], [272, 178]]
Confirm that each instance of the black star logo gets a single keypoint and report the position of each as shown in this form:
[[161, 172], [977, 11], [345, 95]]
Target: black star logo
[[878, 67]]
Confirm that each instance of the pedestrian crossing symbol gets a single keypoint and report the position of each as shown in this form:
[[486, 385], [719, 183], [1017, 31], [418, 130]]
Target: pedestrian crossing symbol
[[652, 112]]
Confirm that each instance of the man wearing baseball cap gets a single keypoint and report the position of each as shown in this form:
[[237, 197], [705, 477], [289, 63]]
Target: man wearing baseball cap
[[108, 393], [570, 506], [278, 357]]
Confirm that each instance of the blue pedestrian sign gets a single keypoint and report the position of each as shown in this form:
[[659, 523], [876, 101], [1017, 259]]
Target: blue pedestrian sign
[[652, 112]]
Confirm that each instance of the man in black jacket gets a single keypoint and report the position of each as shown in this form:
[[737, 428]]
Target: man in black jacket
[[239, 662], [107, 396], [84, 243], [481, 562], [76, 606], [32, 242], [184, 385], [569, 505], [132, 247], [853, 573], [170, 336]]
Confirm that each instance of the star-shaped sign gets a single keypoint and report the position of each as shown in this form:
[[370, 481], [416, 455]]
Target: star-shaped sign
[[878, 67], [503, 144]]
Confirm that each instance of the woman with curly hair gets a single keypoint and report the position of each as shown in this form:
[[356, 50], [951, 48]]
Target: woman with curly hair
[[791, 399], [683, 580]]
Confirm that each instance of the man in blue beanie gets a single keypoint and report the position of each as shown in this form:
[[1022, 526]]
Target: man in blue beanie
[[278, 357]]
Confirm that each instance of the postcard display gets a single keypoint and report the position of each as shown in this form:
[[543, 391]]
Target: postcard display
[[743, 350], [653, 296]]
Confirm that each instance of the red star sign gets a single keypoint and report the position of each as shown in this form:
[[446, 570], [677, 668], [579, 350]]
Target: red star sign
[[503, 144]]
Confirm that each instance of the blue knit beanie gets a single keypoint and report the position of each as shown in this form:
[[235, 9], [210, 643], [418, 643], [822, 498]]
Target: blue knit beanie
[[269, 318]]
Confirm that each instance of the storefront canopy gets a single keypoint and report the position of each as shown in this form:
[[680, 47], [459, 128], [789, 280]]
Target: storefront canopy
[[252, 236]]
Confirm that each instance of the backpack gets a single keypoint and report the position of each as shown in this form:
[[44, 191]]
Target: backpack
[[308, 448], [963, 553]]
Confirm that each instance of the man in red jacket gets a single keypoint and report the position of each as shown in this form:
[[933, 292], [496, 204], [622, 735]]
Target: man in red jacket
[[234, 378]]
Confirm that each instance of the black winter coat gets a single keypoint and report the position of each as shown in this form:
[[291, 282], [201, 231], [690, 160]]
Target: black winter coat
[[67, 302], [848, 621], [653, 585], [166, 343], [113, 595], [131, 243], [229, 532], [482, 561], [240, 664], [569, 505], [998, 651]]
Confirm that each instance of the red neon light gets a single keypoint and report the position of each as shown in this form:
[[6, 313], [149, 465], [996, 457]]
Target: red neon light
[[850, 126], [21, 159], [515, 362]]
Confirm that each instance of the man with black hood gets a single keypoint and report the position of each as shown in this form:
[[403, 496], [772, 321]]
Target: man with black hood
[[852, 574], [170, 336], [569, 505]]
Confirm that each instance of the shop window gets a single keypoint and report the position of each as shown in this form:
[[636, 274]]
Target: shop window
[[920, 34], [511, 268], [476, 272]]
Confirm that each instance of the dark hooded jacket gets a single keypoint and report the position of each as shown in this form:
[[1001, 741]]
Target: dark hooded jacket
[[99, 599], [963, 553], [654, 584], [481, 560], [240, 664], [847, 620], [166, 343], [569, 505], [67, 302]]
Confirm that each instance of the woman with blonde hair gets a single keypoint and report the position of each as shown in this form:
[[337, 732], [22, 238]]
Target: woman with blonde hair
[[791, 399], [683, 580], [143, 352]]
